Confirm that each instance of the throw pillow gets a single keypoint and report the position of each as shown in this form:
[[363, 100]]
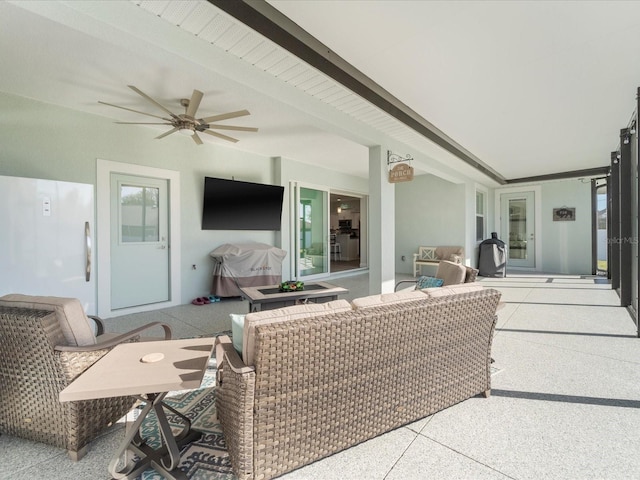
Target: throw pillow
[[428, 282], [237, 329], [455, 258]]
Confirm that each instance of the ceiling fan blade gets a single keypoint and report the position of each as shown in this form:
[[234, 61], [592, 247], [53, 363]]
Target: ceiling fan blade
[[196, 138], [141, 93], [219, 135], [232, 127], [173, 130], [194, 103], [144, 123], [134, 111], [224, 116]]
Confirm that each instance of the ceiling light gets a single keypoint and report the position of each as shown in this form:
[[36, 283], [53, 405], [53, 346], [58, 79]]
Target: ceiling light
[[187, 131]]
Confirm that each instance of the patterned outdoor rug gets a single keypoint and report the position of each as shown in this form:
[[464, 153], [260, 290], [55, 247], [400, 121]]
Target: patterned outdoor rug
[[204, 459], [207, 458]]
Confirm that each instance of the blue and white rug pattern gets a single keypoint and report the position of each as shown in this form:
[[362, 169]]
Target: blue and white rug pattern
[[206, 458]]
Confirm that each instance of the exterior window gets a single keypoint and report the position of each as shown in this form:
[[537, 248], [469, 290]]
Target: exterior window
[[480, 216], [139, 217]]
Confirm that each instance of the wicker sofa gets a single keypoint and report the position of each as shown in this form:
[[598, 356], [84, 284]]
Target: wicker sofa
[[311, 386]]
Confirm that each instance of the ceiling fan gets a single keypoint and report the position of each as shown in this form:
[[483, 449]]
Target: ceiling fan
[[187, 123]]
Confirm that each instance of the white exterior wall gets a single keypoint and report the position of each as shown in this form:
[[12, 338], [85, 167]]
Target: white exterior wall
[[68, 147], [430, 211]]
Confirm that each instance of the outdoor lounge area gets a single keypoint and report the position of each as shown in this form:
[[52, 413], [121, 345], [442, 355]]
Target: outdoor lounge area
[[483, 147], [564, 401]]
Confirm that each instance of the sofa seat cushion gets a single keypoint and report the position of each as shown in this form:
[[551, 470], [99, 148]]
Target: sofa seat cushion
[[453, 289], [387, 299], [295, 312], [452, 273], [75, 325]]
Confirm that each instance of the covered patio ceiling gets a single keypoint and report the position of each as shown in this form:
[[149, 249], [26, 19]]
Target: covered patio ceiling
[[525, 88]]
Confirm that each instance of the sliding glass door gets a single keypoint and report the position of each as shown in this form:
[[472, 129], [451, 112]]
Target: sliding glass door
[[312, 232]]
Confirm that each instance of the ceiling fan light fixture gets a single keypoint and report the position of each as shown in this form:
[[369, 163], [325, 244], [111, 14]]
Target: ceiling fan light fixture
[[187, 131]]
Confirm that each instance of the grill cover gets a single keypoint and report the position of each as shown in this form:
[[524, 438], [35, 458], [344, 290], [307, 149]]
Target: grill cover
[[245, 265], [493, 257]]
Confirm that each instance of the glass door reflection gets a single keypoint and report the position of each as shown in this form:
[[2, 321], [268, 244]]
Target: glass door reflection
[[313, 233]]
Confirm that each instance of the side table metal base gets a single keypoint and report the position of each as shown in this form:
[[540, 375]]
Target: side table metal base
[[166, 459]]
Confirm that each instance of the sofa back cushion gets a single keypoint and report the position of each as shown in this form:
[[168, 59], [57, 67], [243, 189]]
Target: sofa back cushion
[[453, 289], [452, 273], [295, 312], [74, 323], [387, 298]]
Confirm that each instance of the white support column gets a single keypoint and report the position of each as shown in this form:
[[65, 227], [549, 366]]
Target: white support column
[[382, 230]]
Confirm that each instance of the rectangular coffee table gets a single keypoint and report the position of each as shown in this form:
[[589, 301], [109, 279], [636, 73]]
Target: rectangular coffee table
[[268, 297], [148, 371]]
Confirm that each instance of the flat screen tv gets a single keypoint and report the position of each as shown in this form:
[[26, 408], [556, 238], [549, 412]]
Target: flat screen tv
[[235, 205]]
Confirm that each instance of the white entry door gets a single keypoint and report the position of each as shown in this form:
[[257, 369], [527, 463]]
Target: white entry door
[[518, 228], [139, 241]]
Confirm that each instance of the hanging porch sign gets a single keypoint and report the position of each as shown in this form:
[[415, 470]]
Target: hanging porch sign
[[402, 171]]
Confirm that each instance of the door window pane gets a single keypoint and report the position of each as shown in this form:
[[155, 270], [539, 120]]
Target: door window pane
[[602, 229], [480, 224], [139, 215], [518, 228]]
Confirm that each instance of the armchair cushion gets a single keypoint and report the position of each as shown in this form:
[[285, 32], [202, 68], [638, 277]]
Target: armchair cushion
[[452, 273], [74, 323]]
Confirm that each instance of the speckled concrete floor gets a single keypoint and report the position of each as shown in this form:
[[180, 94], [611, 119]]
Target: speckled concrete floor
[[565, 401]]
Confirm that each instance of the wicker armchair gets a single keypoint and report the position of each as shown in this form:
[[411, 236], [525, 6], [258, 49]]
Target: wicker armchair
[[451, 273], [38, 359]]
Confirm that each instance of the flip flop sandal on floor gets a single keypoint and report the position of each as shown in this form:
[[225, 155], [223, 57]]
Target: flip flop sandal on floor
[[213, 298], [206, 300], [198, 301]]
